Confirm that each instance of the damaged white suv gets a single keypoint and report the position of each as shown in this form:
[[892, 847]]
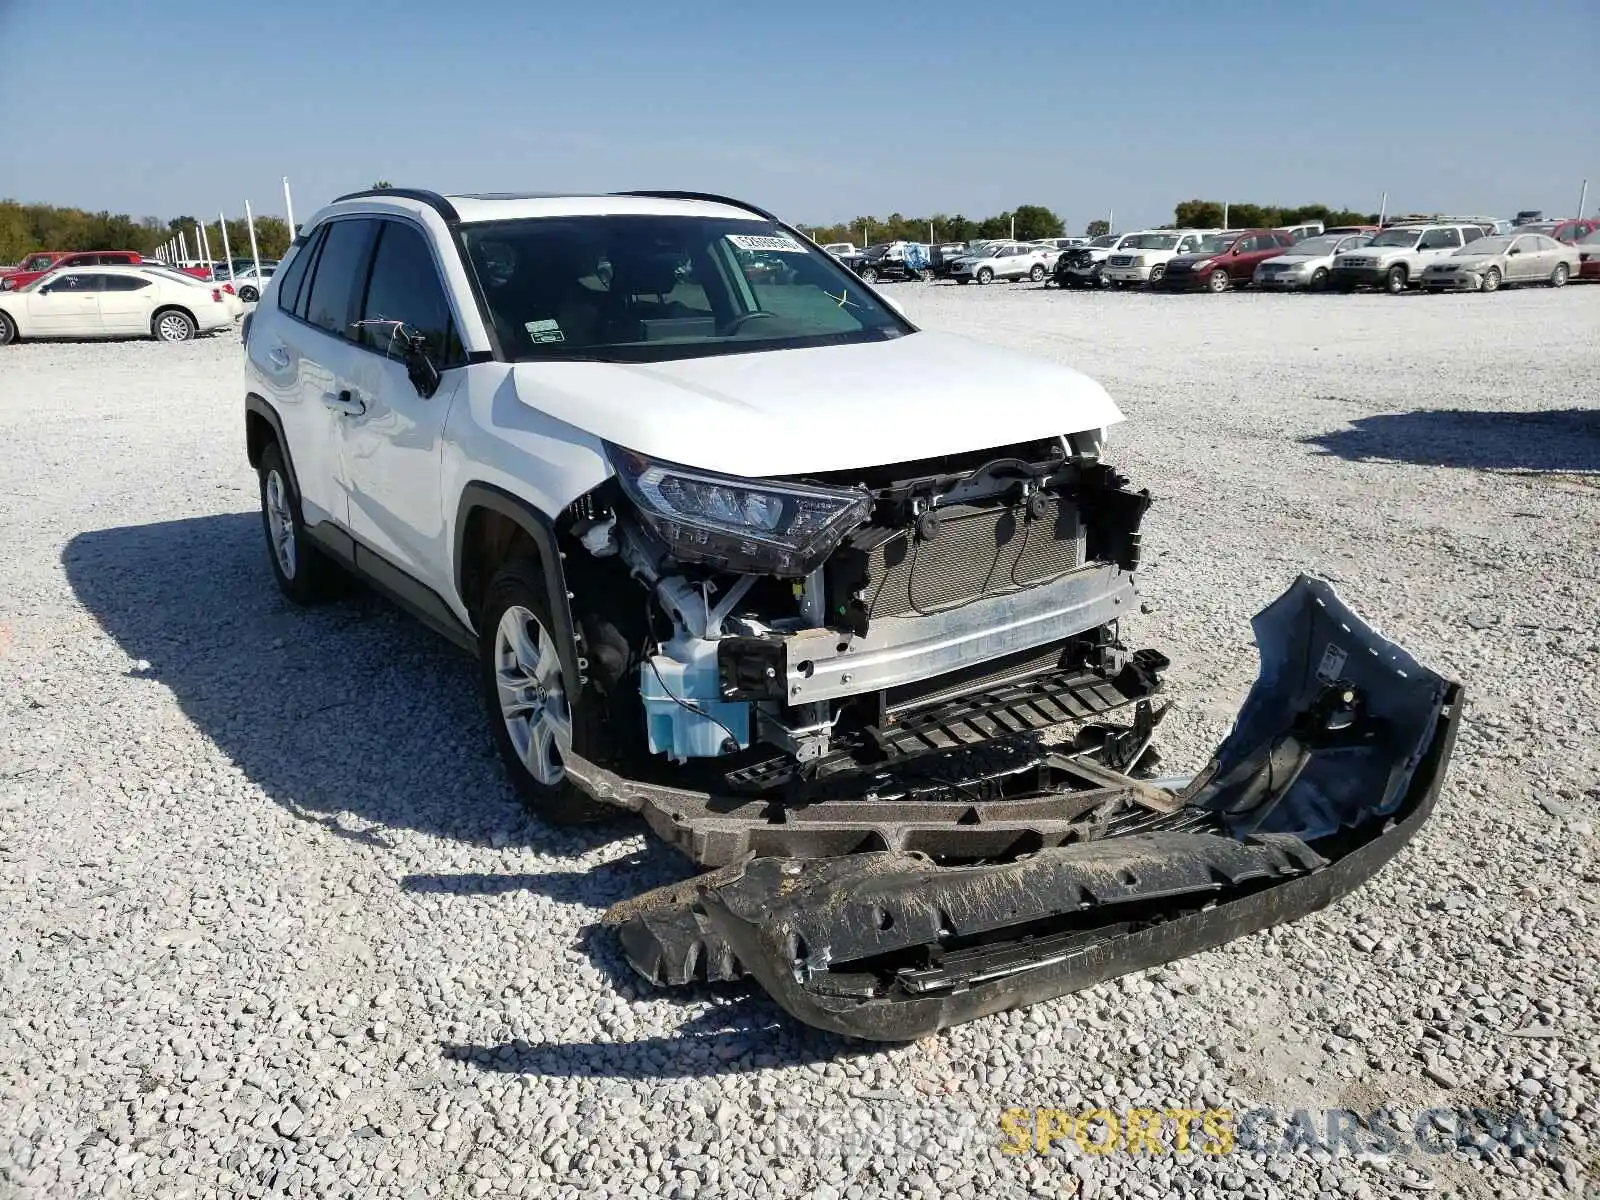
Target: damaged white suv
[[832, 601]]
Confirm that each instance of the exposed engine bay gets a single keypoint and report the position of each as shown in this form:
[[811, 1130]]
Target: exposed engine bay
[[905, 740]]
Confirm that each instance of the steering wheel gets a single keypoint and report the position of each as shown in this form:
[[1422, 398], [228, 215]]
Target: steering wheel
[[737, 323]]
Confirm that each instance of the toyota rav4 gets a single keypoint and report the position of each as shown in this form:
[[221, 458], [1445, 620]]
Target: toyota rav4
[[832, 601]]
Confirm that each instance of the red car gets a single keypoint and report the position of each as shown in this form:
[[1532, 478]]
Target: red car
[[38, 264], [1589, 255], [1570, 232], [1225, 260]]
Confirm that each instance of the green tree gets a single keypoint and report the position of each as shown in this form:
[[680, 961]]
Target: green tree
[[382, 183], [1097, 229], [1035, 221]]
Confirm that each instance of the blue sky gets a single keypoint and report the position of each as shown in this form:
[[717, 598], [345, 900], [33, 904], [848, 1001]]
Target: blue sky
[[821, 112]]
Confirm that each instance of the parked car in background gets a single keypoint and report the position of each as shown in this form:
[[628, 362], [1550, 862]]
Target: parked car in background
[[893, 260], [1306, 229], [942, 257], [1062, 243], [36, 265], [1492, 262], [1225, 260], [110, 302], [1305, 265], [250, 284], [1394, 259], [1589, 255], [1352, 229], [1002, 260], [1569, 231], [1143, 257], [1084, 266], [838, 248], [230, 296]]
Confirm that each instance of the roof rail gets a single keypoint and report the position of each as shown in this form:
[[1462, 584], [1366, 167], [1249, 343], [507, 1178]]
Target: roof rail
[[709, 197], [432, 199]]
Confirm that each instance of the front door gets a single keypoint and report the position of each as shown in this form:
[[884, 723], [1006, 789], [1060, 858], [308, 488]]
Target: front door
[[391, 449], [65, 306]]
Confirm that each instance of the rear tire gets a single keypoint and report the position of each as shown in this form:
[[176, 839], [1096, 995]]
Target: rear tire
[[1037, 274], [1394, 280], [1558, 277], [8, 330], [173, 325], [531, 717], [304, 574], [248, 294]]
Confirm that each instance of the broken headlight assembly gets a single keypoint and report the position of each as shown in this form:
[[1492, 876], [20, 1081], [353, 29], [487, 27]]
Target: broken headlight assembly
[[748, 526]]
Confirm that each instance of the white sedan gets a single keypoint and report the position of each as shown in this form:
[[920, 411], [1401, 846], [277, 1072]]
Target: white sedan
[[110, 302]]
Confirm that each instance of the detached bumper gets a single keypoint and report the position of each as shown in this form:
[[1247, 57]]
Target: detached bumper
[[1335, 760]]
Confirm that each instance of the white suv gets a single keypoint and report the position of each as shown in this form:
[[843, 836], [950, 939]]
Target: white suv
[[1143, 257], [1005, 260], [1397, 256], [833, 602]]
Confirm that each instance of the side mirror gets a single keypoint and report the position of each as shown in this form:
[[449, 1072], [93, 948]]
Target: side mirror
[[420, 368], [1515, 250]]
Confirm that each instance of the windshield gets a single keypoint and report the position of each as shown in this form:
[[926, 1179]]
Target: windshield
[[1397, 237], [1217, 243], [170, 273], [652, 288], [1487, 245], [39, 262], [1314, 246], [1590, 239], [1152, 241], [1107, 239]]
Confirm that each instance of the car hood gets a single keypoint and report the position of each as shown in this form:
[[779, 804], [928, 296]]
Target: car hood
[[1377, 252], [1296, 260], [825, 408]]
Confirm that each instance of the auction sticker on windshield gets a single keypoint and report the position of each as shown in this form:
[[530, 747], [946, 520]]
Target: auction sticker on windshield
[[779, 243]]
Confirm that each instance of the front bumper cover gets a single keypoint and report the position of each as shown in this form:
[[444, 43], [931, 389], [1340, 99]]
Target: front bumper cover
[[1335, 759]]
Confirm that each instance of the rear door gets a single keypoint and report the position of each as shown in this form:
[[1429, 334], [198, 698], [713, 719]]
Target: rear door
[[127, 303], [391, 450], [309, 354], [66, 305]]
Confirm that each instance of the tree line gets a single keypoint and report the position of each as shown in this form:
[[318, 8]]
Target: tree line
[[26, 228]]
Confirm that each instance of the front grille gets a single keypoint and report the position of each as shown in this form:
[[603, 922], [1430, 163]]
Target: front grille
[[976, 552], [1122, 260], [1178, 268], [1355, 262]]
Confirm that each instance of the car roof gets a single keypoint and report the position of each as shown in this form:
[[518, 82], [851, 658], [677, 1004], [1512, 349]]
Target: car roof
[[476, 207]]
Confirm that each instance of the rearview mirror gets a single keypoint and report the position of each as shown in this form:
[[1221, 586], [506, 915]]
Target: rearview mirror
[[420, 368]]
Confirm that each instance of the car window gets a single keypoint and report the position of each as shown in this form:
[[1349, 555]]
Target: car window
[[405, 289], [339, 274], [123, 283], [71, 283], [1473, 233], [1437, 239], [294, 278]]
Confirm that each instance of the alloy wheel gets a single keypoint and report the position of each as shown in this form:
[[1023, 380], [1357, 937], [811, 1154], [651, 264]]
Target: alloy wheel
[[533, 702], [280, 521]]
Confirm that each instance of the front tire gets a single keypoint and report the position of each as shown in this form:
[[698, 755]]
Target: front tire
[[1157, 274], [985, 275], [1037, 274], [305, 575], [1491, 280], [1217, 281], [8, 330], [1394, 281], [1558, 278], [532, 719], [1319, 279], [173, 325], [870, 274]]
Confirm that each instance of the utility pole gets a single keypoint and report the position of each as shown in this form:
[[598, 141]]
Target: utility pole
[[1383, 209], [1583, 198], [288, 203]]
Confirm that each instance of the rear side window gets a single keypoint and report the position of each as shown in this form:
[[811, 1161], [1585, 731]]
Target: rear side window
[[122, 283], [1472, 233], [340, 271], [295, 277], [405, 288], [1437, 239]]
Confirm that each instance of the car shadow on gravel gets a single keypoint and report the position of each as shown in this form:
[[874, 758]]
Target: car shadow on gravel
[[351, 716], [731, 1037], [1558, 440]]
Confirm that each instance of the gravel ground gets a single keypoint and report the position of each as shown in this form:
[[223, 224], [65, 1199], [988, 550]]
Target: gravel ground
[[273, 924]]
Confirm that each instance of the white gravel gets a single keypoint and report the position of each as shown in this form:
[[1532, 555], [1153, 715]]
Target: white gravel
[[271, 922]]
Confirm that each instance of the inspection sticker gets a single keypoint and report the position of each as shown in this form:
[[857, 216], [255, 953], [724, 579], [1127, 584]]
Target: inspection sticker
[[1333, 660], [544, 331], [769, 243]]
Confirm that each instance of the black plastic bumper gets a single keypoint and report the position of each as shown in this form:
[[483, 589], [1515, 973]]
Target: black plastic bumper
[[1336, 759]]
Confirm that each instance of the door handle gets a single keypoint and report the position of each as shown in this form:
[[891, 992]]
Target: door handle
[[278, 357], [345, 402]]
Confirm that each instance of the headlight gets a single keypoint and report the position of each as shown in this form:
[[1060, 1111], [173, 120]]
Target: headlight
[[755, 526], [1204, 264]]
